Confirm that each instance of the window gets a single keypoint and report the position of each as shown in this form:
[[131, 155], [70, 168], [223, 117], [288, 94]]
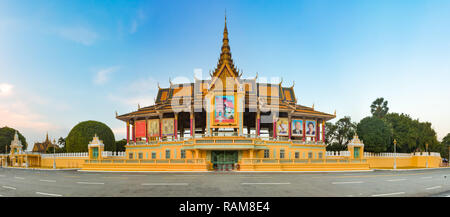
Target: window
[[141, 155], [281, 153], [320, 155], [310, 155], [267, 153], [183, 154], [146, 155], [167, 154], [130, 155], [297, 155], [153, 155]]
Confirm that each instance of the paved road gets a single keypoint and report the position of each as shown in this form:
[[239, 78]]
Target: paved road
[[20, 182]]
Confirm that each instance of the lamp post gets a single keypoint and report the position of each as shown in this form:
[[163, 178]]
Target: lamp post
[[426, 146], [395, 154], [54, 158]]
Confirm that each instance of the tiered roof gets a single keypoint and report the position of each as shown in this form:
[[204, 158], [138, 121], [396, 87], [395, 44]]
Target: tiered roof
[[268, 96]]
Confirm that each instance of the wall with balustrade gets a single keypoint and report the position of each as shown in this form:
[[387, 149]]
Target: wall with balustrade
[[403, 160]]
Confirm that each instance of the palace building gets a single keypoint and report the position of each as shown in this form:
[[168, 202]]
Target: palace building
[[224, 119], [222, 123]]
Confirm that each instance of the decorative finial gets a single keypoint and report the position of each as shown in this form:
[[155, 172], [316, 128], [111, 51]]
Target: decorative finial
[[139, 106], [281, 81], [293, 84], [256, 77], [313, 106], [158, 86], [116, 114], [170, 82], [335, 112]]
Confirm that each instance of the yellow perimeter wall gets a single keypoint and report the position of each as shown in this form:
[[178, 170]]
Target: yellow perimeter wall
[[63, 162]]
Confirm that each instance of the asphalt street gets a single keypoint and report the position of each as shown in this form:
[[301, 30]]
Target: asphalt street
[[42, 183]]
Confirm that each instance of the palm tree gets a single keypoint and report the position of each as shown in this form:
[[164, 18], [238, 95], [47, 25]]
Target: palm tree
[[379, 107]]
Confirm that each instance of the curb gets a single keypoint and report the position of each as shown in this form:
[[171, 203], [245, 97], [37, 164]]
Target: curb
[[438, 168], [40, 169]]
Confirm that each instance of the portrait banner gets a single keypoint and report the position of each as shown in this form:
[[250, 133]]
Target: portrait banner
[[224, 109], [282, 127], [167, 126], [140, 129], [297, 127], [310, 128], [153, 127]]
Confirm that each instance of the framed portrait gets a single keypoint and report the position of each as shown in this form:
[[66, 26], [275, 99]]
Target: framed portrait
[[224, 109], [167, 126], [297, 127], [310, 128], [140, 129], [282, 127], [153, 127]]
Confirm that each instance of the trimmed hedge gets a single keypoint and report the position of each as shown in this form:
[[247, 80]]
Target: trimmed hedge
[[80, 136]]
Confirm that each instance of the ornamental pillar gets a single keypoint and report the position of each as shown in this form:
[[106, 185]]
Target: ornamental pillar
[[304, 130], [258, 122], [323, 131], [160, 126], [146, 130], [128, 132], [134, 130], [274, 127], [175, 126], [290, 125], [192, 123]]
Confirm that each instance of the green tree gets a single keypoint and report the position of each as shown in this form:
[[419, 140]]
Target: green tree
[[339, 134], [379, 107], [120, 145], [7, 135], [375, 133], [445, 144], [62, 144], [80, 136]]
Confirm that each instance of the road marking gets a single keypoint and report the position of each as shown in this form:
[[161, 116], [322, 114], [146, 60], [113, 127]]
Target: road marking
[[395, 180], [48, 194], [133, 175], [435, 187], [8, 187], [91, 183], [72, 176], [428, 177], [165, 184], [256, 177], [189, 175], [341, 183], [44, 180], [19, 178], [266, 183], [382, 195]]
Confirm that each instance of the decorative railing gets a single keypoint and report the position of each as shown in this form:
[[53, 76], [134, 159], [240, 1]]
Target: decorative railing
[[391, 154], [299, 161], [150, 161], [113, 154], [337, 154], [68, 155]]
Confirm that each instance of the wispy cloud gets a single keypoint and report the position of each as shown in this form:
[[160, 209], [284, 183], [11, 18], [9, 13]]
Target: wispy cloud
[[139, 18], [102, 76], [79, 34], [6, 89]]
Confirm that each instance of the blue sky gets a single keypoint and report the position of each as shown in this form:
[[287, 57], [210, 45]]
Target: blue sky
[[63, 62]]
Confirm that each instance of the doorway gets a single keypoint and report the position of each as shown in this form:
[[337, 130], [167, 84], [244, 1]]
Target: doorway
[[224, 160]]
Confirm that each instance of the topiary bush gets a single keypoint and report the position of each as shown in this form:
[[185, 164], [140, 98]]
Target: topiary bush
[[7, 135], [80, 136]]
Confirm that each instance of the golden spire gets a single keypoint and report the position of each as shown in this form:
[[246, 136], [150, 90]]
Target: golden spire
[[225, 54]]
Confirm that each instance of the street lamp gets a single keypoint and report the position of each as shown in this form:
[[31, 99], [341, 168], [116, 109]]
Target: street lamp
[[54, 160], [395, 154]]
